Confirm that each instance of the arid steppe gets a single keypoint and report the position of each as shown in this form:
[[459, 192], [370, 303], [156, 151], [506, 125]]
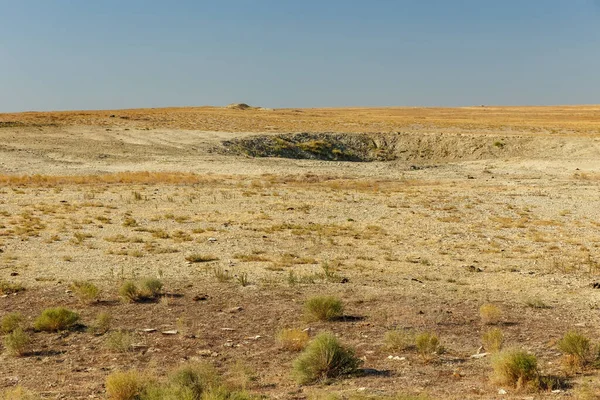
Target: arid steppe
[[414, 218]]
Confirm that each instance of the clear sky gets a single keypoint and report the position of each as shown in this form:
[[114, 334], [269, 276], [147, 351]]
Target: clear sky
[[80, 54]]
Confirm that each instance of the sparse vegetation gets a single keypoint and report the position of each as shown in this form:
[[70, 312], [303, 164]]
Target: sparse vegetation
[[151, 288], [323, 308], [490, 314], [129, 292], [11, 322], [516, 368], [56, 319], [86, 291], [325, 358], [120, 341], [398, 340], [576, 348], [292, 339], [427, 344], [102, 323], [493, 340], [17, 342]]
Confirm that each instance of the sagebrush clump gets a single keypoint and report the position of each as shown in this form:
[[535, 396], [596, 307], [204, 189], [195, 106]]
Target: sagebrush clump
[[56, 319], [86, 291], [576, 348], [323, 308], [323, 359], [10, 322], [17, 342], [516, 368]]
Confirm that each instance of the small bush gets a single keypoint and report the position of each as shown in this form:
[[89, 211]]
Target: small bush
[[323, 308], [17, 342], [492, 340], [56, 319], [87, 292], [120, 341], [490, 314], [129, 292], [292, 339], [576, 348], [10, 322], [324, 358], [516, 368], [127, 385], [427, 344], [398, 340], [151, 288], [102, 323], [196, 378]]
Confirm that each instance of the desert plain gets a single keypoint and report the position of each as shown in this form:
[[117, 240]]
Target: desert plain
[[414, 218]]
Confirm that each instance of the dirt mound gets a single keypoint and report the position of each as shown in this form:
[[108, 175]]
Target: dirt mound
[[238, 106]]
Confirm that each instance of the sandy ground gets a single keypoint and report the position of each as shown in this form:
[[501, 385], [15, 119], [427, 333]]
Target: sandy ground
[[423, 241]]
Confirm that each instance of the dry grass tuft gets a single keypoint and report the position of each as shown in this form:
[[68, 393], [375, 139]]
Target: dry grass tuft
[[292, 339], [492, 340], [490, 314]]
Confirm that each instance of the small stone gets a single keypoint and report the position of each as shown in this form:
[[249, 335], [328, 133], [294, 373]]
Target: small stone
[[149, 330], [502, 391], [171, 332], [200, 297], [228, 329], [235, 310], [212, 239], [480, 355], [13, 273]]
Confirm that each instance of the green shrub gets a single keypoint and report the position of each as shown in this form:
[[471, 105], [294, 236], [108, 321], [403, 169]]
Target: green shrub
[[324, 358], [87, 292], [17, 342], [492, 340], [576, 347], [128, 385], [516, 368], [151, 288], [129, 292], [398, 340], [56, 319], [427, 344], [10, 322], [323, 308]]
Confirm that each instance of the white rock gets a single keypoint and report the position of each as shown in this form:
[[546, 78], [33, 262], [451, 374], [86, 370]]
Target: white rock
[[502, 391]]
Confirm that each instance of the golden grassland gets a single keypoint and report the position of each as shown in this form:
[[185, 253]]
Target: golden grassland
[[549, 119]]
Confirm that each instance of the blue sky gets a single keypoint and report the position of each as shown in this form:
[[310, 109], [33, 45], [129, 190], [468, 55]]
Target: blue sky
[[79, 54]]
